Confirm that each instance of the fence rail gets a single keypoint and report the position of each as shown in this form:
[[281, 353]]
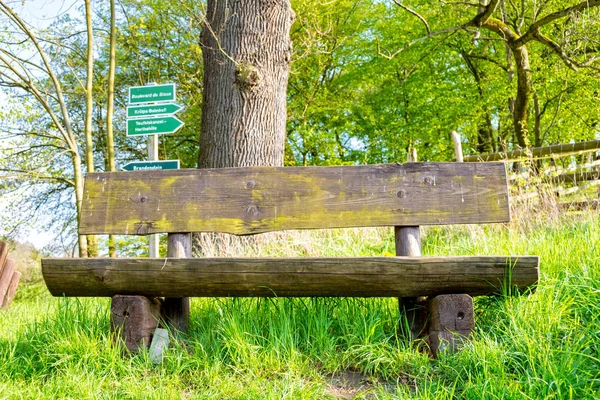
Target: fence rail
[[565, 183], [537, 152]]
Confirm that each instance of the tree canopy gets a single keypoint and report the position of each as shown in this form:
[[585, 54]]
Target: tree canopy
[[369, 81]]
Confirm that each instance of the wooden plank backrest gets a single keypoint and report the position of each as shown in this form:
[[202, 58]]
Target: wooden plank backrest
[[261, 199]]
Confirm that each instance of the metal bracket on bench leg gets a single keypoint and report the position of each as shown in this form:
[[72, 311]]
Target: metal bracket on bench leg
[[451, 321]]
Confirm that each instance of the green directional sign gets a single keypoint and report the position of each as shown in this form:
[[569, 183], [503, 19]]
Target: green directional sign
[[151, 93], [153, 110], [152, 126], [151, 165]]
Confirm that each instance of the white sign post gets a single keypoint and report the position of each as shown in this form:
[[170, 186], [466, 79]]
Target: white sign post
[[151, 112]]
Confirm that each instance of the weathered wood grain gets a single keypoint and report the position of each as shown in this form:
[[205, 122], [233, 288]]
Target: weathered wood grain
[[260, 199], [451, 322], [133, 320], [176, 310], [408, 240], [12, 289], [3, 255], [6, 277], [408, 243], [356, 277]]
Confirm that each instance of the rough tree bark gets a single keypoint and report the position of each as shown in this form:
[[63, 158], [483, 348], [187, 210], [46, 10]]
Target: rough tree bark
[[92, 240], [486, 141], [521, 58], [110, 107], [246, 50]]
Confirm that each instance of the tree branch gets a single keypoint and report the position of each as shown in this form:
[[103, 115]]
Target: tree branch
[[21, 174], [422, 38], [482, 18], [488, 59], [535, 27], [69, 137], [416, 14], [557, 49]]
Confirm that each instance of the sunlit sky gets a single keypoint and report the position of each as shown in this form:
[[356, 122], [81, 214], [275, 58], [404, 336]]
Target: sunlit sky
[[39, 14]]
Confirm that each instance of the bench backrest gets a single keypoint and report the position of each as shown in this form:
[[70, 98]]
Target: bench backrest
[[260, 199]]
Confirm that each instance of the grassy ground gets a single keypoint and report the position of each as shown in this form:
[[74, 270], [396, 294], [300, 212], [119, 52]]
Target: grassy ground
[[545, 345]]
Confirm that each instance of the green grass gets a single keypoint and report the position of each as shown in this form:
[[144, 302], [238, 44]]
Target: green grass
[[538, 346]]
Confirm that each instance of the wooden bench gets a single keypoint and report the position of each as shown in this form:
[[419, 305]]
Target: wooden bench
[[245, 201]]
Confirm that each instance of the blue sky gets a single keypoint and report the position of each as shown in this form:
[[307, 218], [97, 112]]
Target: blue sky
[[39, 14]]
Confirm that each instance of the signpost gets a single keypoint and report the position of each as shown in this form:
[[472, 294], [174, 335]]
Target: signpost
[[151, 112], [158, 110], [151, 93], [153, 126], [151, 165]]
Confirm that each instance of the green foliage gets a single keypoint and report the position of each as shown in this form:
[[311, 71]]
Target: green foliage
[[355, 99], [542, 345], [352, 97], [33, 157]]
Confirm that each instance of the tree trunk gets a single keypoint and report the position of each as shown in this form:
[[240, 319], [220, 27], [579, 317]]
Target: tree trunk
[[246, 50], [78, 177], [521, 58], [110, 106], [92, 240], [523, 92], [485, 130]]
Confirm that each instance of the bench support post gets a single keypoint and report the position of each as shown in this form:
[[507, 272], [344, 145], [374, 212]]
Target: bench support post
[[176, 310], [451, 321], [408, 243], [447, 319], [133, 319]]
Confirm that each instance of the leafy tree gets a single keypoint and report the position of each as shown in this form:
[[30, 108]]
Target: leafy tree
[[560, 27]]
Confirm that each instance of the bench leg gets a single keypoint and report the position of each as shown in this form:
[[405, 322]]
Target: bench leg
[[408, 243], [451, 321], [416, 313], [176, 311], [133, 320]]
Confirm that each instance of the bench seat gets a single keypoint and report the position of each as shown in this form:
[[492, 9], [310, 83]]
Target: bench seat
[[289, 277]]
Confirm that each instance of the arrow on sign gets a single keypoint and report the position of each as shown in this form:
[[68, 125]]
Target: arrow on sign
[[151, 165], [153, 126], [153, 111]]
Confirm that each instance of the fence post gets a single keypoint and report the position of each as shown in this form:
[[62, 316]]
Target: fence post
[[458, 153], [412, 155]]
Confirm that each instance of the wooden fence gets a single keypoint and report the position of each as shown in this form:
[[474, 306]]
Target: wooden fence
[[572, 178]]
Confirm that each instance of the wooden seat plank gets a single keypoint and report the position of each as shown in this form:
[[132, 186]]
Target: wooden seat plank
[[260, 199], [283, 277]]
